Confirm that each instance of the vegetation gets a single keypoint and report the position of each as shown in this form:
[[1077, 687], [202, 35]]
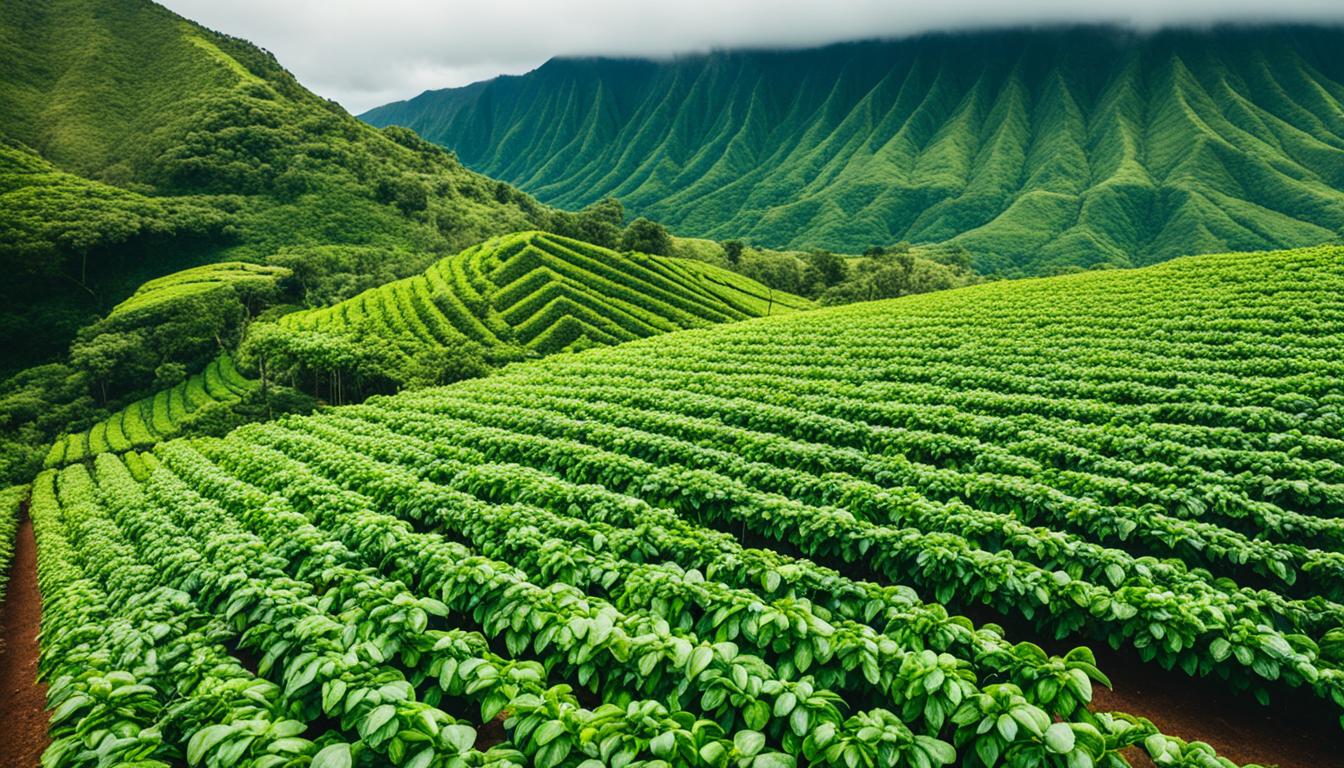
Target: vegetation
[[883, 272], [136, 143], [11, 499], [1037, 150], [208, 403], [522, 295], [566, 551], [151, 342]]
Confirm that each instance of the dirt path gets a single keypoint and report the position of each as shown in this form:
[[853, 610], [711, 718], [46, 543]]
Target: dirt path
[[1241, 731], [23, 717]]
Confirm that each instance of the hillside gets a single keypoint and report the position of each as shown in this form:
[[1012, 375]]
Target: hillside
[[766, 566], [134, 143], [520, 296], [1037, 150], [512, 297], [155, 418]]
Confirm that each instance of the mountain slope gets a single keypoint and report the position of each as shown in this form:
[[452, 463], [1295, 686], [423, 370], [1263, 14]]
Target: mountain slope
[[1034, 149], [190, 147]]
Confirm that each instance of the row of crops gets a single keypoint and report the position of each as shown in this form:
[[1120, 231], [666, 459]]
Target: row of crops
[[10, 501], [200, 606], [544, 293], [157, 417], [743, 546]]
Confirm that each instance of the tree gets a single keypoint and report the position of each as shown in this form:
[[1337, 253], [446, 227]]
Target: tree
[[955, 256], [600, 223], [831, 268], [647, 236], [732, 250]]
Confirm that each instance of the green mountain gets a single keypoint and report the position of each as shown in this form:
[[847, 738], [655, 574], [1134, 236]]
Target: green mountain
[[134, 143], [1036, 149]]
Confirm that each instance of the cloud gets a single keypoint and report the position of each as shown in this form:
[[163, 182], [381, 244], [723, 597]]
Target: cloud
[[365, 54]]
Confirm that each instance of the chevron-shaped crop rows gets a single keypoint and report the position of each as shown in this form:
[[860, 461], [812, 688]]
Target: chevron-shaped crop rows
[[544, 293]]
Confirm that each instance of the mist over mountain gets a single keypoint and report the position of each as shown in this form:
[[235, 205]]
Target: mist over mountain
[[1036, 149]]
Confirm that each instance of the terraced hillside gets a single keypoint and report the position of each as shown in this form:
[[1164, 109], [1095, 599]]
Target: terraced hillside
[[1035, 149], [763, 569], [152, 419], [533, 292]]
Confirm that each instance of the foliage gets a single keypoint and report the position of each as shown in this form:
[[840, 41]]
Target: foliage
[[210, 402], [602, 223], [11, 499], [522, 295], [600, 569], [1036, 149], [646, 236], [834, 279], [327, 274], [37, 404]]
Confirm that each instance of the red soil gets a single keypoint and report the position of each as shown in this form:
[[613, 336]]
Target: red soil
[[1241, 731], [23, 717]]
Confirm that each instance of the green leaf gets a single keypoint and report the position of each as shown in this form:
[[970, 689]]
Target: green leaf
[[748, 743], [422, 759], [461, 737], [664, 744], [376, 719], [205, 739], [1007, 727], [773, 760], [1059, 738], [549, 731], [756, 715], [785, 703], [714, 754], [700, 659], [334, 756]]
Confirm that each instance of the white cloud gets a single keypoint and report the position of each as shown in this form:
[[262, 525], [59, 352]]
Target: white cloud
[[364, 54]]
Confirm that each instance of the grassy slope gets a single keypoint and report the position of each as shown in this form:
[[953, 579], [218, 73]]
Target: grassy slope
[[1035, 149], [136, 109]]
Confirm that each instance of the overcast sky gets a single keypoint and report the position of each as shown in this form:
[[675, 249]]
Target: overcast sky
[[368, 53]]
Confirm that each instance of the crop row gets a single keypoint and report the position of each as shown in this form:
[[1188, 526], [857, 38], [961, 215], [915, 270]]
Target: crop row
[[157, 417]]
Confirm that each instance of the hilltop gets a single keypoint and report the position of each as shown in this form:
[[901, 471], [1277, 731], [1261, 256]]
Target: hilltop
[[1038, 150]]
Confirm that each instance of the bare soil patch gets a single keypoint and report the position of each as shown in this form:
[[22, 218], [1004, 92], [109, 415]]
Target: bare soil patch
[[23, 700]]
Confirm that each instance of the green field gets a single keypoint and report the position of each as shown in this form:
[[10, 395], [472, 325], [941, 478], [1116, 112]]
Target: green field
[[743, 545], [533, 293], [1036, 149], [241, 279]]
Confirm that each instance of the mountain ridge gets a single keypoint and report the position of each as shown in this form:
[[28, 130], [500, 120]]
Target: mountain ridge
[[1035, 149]]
